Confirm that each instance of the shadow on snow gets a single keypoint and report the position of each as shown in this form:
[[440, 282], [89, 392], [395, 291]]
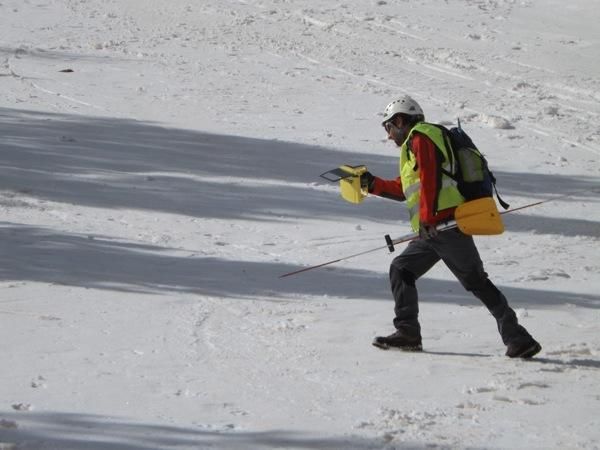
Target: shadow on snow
[[118, 163], [37, 254], [83, 431], [121, 163]]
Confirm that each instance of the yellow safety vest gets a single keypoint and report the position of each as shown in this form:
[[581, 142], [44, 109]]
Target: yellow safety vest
[[448, 195]]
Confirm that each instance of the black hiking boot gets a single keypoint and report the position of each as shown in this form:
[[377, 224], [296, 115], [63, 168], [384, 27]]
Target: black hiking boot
[[523, 349], [400, 339]]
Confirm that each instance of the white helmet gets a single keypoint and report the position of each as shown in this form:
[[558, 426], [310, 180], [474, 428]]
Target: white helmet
[[404, 105]]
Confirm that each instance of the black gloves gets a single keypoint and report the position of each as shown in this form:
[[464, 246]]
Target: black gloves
[[427, 231], [366, 181]]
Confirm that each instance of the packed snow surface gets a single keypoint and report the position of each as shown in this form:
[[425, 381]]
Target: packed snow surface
[[160, 170]]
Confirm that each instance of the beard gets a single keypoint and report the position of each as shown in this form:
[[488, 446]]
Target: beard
[[399, 135]]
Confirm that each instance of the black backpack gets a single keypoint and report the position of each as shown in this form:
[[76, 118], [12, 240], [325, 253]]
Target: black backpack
[[471, 172]]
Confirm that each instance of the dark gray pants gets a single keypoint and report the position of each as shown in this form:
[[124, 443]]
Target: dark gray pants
[[459, 253]]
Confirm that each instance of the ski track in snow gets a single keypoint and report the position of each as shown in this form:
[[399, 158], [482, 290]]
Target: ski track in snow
[[151, 196]]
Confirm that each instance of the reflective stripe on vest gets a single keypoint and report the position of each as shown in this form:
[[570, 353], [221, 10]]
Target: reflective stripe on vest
[[448, 195], [410, 190], [416, 187]]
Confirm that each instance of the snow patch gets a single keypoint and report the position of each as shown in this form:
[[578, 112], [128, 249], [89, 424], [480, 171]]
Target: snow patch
[[495, 121]]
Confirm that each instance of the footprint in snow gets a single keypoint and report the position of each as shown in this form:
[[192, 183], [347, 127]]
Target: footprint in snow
[[523, 401], [533, 384], [479, 390], [571, 350], [544, 275]]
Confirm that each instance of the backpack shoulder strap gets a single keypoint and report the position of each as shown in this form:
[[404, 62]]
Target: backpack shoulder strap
[[493, 180], [452, 173]]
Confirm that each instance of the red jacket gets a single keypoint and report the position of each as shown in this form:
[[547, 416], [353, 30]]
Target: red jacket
[[428, 163]]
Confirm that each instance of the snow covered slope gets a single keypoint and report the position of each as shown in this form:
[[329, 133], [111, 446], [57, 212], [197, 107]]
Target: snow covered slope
[[160, 170]]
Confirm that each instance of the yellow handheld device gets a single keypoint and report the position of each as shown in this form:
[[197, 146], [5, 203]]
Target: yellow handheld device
[[349, 178]]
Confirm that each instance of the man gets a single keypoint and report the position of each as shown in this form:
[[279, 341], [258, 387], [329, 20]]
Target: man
[[432, 197]]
